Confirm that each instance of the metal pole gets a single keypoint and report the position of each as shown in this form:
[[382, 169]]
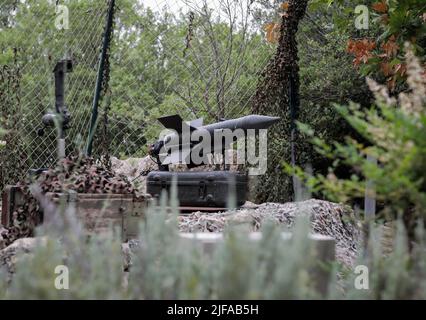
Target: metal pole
[[61, 68], [370, 198], [100, 77], [293, 103]]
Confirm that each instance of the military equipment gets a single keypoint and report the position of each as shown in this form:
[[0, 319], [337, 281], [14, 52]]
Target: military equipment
[[61, 116], [197, 190], [96, 212], [180, 145], [99, 212]]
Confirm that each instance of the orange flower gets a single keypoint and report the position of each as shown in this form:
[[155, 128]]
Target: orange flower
[[390, 47], [272, 32], [361, 49], [380, 7], [284, 6]]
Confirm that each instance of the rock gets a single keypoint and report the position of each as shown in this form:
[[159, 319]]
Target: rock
[[134, 169], [24, 246], [329, 219]]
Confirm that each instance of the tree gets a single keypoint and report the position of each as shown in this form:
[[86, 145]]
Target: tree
[[326, 76], [195, 63]]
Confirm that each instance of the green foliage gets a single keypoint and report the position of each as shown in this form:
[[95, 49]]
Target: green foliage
[[326, 76], [166, 266], [398, 275], [155, 69], [394, 131], [95, 271], [163, 265], [151, 76], [158, 71], [30, 42]]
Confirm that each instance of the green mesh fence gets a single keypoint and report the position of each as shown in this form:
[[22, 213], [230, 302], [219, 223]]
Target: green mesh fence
[[197, 58], [31, 42]]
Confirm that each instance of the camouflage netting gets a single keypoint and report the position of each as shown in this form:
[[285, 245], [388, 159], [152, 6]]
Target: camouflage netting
[[272, 98], [12, 151], [327, 218], [82, 175]]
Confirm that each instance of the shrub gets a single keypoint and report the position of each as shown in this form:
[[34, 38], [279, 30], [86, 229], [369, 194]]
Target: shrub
[[395, 133]]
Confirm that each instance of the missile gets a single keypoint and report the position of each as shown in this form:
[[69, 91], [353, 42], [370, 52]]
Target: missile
[[179, 145]]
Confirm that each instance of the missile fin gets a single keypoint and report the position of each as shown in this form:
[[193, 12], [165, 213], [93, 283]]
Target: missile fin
[[196, 123], [176, 123]]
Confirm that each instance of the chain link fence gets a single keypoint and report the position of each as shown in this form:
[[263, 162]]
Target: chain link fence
[[34, 37], [197, 58]]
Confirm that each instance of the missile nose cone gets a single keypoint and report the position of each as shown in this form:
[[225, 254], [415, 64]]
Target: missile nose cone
[[271, 120], [260, 122]]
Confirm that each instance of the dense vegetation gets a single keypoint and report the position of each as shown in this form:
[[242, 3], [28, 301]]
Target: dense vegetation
[[391, 155], [195, 64], [352, 132], [334, 58]]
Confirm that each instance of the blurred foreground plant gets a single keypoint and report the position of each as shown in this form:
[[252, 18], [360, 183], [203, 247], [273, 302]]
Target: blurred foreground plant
[[166, 266], [398, 275]]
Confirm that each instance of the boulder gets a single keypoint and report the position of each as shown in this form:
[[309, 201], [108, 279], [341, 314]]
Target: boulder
[[24, 246]]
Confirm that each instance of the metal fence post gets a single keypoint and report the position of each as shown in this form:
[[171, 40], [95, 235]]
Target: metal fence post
[[370, 199], [100, 77]]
